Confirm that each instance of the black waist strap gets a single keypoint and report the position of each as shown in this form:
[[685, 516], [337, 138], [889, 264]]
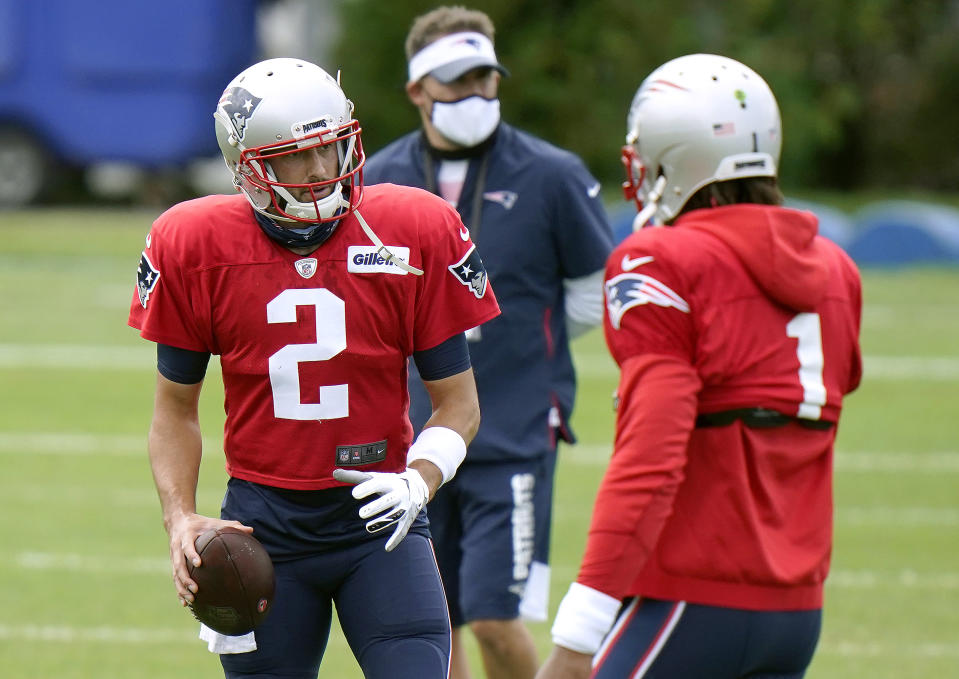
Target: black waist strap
[[757, 418]]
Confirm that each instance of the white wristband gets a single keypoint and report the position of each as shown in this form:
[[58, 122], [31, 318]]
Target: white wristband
[[584, 618], [441, 446]]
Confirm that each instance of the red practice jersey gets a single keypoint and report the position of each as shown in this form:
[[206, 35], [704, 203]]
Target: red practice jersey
[[313, 348], [731, 308]]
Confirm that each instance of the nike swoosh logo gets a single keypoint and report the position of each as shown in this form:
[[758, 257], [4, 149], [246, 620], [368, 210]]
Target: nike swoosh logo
[[464, 233], [630, 264], [593, 190]]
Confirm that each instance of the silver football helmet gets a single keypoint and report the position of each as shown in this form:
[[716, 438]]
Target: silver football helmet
[[695, 120], [283, 106]]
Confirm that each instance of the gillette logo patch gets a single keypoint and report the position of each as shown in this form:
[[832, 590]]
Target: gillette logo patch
[[367, 259]]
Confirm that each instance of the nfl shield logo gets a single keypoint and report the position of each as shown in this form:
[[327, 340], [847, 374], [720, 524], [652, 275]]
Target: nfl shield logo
[[306, 267]]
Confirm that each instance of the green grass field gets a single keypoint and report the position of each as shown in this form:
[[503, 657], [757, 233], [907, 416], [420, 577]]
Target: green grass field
[[86, 590]]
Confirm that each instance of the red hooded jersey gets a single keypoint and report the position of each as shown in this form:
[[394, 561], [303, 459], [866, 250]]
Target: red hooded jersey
[[313, 348], [733, 307]]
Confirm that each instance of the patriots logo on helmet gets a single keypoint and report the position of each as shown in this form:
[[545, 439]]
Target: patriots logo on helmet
[[627, 290], [470, 272], [147, 278], [239, 105]]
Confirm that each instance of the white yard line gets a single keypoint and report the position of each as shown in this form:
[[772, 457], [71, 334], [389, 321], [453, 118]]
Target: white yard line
[[66, 634], [86, 563], [142, 356], [920, 651], [894, 462], [928, 368], [78, 443], [140, 565]]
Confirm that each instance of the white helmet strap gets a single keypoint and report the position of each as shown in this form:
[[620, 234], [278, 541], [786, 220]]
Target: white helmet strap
[[384, 251], [650, 203]]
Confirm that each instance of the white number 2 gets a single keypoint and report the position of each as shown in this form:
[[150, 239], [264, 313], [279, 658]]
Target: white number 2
[[284, 364], [806, 328]]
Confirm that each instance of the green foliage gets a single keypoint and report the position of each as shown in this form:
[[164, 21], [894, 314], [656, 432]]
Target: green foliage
[[86, 586], [868, 90]]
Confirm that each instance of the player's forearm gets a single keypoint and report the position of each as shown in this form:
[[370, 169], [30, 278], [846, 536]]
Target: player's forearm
[[175, 447], [175, 451], [455, 404]]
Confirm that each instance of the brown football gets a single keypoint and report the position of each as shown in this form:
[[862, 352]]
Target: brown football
[[234, 580]]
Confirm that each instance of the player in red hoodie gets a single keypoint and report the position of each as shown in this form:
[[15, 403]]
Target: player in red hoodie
[[736, 332]]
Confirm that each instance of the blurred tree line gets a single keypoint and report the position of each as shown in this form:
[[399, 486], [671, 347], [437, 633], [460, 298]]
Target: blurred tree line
[[869, 89]]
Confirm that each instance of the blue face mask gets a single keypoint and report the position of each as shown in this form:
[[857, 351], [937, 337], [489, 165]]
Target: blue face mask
[[466, 122]]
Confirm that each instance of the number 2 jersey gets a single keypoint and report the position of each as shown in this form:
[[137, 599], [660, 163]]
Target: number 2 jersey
[[732, 309], [313, 348]]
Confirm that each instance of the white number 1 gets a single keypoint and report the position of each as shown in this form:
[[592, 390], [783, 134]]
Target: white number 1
[[806, 328], [284, 364]]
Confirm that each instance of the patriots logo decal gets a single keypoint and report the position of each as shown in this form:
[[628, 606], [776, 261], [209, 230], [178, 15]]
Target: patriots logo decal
[[147, 278], [627, 290], [470, 272], [505, 198], [239, 105]]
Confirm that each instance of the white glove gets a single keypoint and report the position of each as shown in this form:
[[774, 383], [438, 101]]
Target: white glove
[[401, 497]]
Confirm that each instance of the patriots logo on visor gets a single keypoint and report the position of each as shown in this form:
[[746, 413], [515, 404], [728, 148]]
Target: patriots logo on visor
[[472, 42], [147, 278], [239, 105], [470, 272], [627, 290]]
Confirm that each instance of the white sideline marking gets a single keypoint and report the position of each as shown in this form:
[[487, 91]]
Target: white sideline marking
[[110, 635]]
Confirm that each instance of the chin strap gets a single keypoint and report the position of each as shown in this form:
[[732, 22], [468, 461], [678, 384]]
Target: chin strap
[[651, 203], [384, 251]]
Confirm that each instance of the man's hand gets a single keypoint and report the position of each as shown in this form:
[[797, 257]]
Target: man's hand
[[401, 497], [183, 535], [563, 663]]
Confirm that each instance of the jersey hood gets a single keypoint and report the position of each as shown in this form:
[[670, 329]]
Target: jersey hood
[[778, 246]]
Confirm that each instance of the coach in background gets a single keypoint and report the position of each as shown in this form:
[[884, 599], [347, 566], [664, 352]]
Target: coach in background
[[736, 332], [314, 292], [535, 214]]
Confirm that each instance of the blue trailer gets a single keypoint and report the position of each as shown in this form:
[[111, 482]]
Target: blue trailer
[[91, 81]]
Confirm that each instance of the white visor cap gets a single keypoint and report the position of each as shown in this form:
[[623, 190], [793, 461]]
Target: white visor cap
[[449, 57]]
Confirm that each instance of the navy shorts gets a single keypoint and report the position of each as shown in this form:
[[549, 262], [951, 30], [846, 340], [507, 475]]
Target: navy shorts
[[490, 528], [655, 639], [391, 605]]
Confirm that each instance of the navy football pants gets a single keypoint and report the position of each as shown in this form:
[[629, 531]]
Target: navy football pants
[[390, 605], [655, 639]]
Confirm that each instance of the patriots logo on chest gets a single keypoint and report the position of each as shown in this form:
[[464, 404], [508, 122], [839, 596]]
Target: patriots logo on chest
[[628, 290]]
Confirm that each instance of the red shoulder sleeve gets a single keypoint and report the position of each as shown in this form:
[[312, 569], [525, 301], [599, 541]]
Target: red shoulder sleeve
[[161, 308], [656, 413]]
